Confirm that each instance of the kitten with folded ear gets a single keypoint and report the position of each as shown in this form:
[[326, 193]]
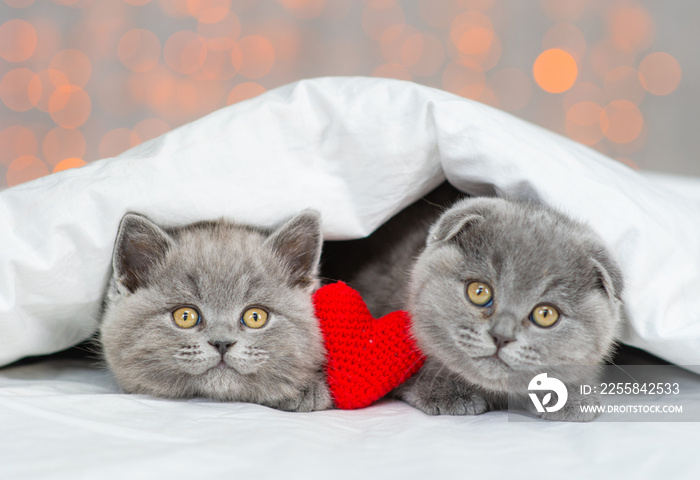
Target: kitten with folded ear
[[218, 310], [490, 285], [500, 285]]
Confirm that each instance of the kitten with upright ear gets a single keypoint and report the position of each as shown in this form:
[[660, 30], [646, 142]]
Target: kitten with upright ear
[[218, 310], [500, 285]]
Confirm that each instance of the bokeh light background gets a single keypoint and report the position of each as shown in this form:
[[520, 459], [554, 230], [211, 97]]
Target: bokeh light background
[[87, 79]]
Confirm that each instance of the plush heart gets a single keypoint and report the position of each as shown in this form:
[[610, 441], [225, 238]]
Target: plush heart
[[366, 357]]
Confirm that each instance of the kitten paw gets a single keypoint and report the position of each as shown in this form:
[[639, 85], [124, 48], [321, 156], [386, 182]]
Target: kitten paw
[[447, 398], [314, 397]]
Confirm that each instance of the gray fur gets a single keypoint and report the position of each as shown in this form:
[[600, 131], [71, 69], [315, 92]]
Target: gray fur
[[221, 269], [528, 254]]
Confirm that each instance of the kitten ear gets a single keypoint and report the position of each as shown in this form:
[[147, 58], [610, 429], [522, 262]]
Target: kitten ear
[[609, 276], [140, 245], [299, 242], [451, 223]]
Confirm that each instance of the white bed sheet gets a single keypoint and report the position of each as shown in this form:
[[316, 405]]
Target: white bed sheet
[[65, 420]]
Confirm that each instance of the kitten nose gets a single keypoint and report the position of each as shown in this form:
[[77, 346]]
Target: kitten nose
[[500, 340], [222, 346]]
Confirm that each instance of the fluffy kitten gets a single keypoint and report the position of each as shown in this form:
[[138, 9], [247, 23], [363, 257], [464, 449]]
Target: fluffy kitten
[[503, 284], [217, 310], [490, 278]]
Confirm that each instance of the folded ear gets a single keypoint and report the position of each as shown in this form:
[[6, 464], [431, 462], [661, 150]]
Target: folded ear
[[609, 276], [451, 223], [298, 242], [140, 245]]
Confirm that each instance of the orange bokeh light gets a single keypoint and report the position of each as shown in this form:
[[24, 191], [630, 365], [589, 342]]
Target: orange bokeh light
[[65, 164], [377, 16], [582, 92], [402, 44], [70, 106], [604, 57], [74, 64], [555, 70], [114, 94], [472, 33], [583, 122], [512, 87], [208, 11], [392, 70], [258, 56], [16, 141], [61, 143], [286, 37], [475, 41], [155, 87], [20, 89], [438, 14], [464, 80], [486, 60], [631, 27], [50, 80], [150, 128], [48, 37], [210, 96], [489, 97], [633, 146], [431, 59], [622, 83], [18, 40], [412, 49], [174, 8], [244, 91], [225, 31], [24, 169], [304, 9], [621, 121], [185, 52], [218, 64], [564, 10], [187, 95], [139, 50], [659, 73], [567, 37]]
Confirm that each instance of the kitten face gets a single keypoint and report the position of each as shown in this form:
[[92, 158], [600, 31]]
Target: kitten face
[[495, 275], [217, 310]]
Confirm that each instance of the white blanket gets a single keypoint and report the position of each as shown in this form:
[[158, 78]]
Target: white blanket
[[358, 150]]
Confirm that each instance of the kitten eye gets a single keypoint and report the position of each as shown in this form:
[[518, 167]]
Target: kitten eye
[[254, 317], [186, 317], [544, 316], [479, 294]]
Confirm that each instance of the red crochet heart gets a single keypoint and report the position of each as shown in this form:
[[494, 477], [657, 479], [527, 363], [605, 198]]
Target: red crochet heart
[[366, 357]]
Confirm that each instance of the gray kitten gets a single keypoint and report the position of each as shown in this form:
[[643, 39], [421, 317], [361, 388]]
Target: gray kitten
[[502, 284], [498, 284], [217, 310]]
